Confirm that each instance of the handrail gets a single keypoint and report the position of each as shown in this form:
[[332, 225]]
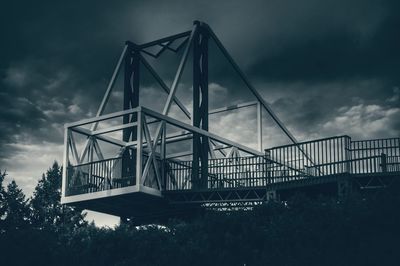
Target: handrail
[[250, 171]]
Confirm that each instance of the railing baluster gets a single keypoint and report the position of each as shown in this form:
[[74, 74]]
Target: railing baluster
[[329, 156]]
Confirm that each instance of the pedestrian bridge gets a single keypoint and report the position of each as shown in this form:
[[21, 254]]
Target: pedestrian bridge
[[150, 178], [138, 161]]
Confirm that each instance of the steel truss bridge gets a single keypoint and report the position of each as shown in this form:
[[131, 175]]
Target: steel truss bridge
[[142, 163]]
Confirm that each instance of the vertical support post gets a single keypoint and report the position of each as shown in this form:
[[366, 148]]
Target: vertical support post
[[268, 165], [90, 160], [139, 147], [347, 154], [131, 100], [162, 151], [200, 106], [65, 163], [259, 126]]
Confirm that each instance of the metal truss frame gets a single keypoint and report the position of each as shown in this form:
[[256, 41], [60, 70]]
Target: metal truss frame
[[145, 145], [219, 196], [136, 134]]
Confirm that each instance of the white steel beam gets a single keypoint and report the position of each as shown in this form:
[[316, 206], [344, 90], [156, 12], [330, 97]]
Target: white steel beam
[[88, 133], [179, 154], [151, 155], [113, 129], [251, 88], [165, 87], [102, 117], [259, 126], [255, 92], [139, 149], [191, 128], [106, 96], [174, 86], [179, 72], [65, 166], [73, 148], [110, 86], [97, 149]]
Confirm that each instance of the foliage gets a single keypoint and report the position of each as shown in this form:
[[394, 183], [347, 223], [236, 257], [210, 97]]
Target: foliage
[[16, 208], [2, 200], [302, 231], [362, 231], [47, 210]]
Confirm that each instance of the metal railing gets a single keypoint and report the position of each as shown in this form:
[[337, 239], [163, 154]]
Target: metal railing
[[259, 171], [103, 175], [97, 176], [319, 158]]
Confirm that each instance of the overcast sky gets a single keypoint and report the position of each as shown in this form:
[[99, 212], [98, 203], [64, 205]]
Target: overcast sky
[[326, 67]]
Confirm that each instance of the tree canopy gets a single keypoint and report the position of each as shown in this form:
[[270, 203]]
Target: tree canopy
[[360, 231], [2, 200], [16, 208], [47, 210]]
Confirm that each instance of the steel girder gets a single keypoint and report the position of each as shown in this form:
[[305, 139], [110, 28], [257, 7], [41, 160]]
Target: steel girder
[[131, 100], [200, 106]]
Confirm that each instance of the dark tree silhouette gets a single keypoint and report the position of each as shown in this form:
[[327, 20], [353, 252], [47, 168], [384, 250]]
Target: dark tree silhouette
[[47, 210], [16, 208], [2, 200], [363, 230]]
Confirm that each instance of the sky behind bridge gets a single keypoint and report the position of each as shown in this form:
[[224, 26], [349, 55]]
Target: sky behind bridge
[[326, 67]]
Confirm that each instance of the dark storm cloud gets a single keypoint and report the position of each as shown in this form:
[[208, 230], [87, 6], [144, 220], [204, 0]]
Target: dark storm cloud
[[321, 64], [337, 55], [36, 94]]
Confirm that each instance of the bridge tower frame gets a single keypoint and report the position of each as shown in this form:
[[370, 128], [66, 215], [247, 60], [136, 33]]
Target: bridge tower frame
[[143, 177], [200, 106]]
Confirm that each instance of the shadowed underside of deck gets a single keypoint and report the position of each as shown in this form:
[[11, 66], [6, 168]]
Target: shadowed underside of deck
[[143, 207]]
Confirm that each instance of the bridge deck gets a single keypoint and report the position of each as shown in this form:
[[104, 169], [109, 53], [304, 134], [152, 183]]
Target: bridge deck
[[324, 166]]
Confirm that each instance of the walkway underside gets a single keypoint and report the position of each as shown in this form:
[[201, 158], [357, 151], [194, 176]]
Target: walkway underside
[[143, 207], [282, 190]]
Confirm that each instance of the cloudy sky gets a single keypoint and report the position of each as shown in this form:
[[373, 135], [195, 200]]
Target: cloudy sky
[[326, 67]]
